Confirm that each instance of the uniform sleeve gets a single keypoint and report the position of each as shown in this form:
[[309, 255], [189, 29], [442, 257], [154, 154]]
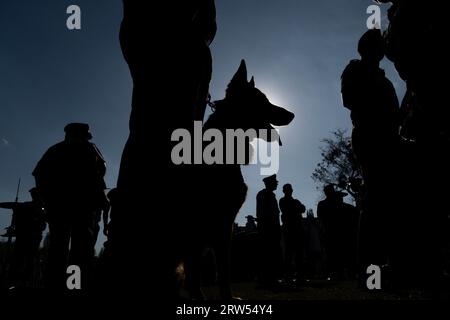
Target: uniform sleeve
[[8, 205], [351, 87], [301, 207], [42, 171], [259, 206], [319, 211]]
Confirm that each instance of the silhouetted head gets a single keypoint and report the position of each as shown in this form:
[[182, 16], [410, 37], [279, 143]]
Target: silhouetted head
[[287, 189], [246, 107], [271, 182], [371, 46], [77, 131], [250, 218], [329, 191], [34, 193]]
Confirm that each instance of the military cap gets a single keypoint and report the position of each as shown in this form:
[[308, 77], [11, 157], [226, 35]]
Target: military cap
[[272, 178], [80, 130]]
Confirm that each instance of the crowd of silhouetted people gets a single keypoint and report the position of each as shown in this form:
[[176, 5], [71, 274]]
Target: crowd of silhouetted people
[[286, 246], [400, 224]]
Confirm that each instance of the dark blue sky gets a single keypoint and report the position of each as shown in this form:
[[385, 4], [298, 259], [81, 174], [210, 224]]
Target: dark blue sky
[[50, 76]]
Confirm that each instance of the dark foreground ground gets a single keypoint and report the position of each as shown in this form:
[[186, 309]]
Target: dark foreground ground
[[317, 290]]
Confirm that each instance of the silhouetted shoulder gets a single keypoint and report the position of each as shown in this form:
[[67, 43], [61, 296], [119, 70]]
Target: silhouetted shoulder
[[354, 66], [300, 206], [261, 194], [56, 148], [49, 157], [321, 208]]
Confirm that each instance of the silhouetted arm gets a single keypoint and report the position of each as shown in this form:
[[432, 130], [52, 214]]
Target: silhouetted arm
[[8, 205], [301, 207], [283, 210], [351, 88], [105, 218]]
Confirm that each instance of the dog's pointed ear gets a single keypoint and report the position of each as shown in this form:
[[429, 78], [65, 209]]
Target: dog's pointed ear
[[240, 77], [252, 82], [239, 80]]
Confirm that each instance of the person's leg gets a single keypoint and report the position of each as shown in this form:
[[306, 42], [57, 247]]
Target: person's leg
[[82, 245], [59, 238], [300, 266], [17, 268], [288, 255]]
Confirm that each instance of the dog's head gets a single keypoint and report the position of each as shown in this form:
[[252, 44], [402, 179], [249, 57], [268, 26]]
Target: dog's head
[[246, 107]]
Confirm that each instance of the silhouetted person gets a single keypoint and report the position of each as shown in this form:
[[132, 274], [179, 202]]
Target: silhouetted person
[[170, 63], [420, 54], [348, 240], [329, 215], [291, 216], [250, 225], [269, 231], [27, 225], [374, 107], [313, 245], [69, 178]]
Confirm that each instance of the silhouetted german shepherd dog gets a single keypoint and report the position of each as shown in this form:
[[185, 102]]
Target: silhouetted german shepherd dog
[[221, 187]]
